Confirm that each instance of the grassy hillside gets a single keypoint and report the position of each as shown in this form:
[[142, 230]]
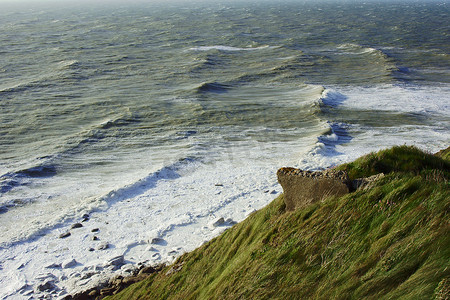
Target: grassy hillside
[[387, 242]]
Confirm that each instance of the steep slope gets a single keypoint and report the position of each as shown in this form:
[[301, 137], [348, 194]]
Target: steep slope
[[389, 240]]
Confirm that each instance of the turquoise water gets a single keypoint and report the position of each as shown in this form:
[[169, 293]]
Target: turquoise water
[[106, 103]]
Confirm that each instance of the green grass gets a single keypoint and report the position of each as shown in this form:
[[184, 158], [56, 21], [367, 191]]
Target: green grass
[[391, 241], [401, 159]]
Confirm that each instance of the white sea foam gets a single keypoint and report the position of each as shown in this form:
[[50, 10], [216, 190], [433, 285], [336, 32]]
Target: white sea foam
[[346, 142], [398, 98], [179, 209], [357, 49]]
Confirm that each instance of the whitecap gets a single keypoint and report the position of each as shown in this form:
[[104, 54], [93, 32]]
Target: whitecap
[[67, 63], [350, 48]]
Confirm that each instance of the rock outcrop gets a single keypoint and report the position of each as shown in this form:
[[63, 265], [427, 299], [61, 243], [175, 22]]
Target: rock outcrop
[[116, 284], [302, 188]]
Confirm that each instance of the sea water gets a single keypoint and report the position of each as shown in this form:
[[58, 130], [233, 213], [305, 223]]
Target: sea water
[[150, 122]]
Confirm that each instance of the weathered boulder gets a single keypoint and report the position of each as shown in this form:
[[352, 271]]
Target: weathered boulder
[[302, 188]]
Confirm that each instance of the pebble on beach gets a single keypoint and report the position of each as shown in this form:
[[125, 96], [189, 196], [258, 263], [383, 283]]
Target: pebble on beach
[[64, 235], [103, 246], [218, 222], [157, 241], [76, 225]]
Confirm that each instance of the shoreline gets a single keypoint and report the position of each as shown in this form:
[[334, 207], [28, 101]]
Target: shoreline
[[90, 249], [117, 283], [53, 271], [291, 242]]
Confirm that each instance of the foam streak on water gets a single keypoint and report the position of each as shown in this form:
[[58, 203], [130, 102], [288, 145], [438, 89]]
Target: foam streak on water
[[151, 122]]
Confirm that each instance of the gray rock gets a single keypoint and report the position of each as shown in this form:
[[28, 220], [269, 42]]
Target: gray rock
[[25, 288], [219, 222], [69, 263], [103, 246], [88, 275], [128, 268], [115, 262], [157, 241], [147, 270], [64, 235], [76, 225], [47, 286], [53, 266]]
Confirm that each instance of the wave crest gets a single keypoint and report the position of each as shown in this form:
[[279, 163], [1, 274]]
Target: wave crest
[[227, 48], [213, 87]]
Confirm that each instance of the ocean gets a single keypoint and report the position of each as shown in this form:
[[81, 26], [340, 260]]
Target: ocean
[[157, 126]]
